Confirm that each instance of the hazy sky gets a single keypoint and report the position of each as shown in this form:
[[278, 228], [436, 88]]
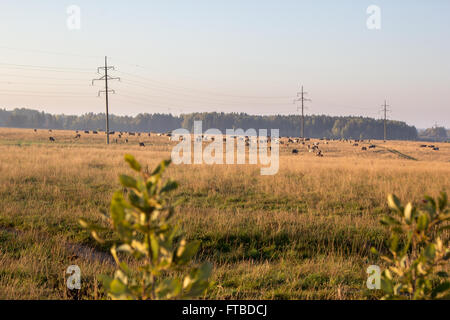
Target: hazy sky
[[230, 56]]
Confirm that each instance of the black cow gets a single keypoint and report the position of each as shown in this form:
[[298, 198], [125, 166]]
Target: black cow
[[52, 139]]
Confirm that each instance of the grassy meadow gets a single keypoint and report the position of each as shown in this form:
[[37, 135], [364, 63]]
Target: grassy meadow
[[304, 233]]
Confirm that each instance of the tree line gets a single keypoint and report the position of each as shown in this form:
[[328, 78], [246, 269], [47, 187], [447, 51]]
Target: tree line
[[316, 126]]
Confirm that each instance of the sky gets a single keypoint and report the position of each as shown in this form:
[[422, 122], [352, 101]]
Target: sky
[[250, 56]]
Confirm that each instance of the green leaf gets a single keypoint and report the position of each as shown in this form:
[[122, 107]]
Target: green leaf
[[440, 289], [169, 289], [422, 222], [443, 200], [161, 167], [133, 163], [408, 212], [127, 181], [154, 245], [186, 251], [442, 274], [430, 201], [170, 185], [394, 203], [117, 287], [117, 209], [386, 286], [394, 243], [389, 221], [430, 252]]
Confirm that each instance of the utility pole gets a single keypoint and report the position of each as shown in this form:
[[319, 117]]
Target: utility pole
[[106, 78], [301, 97], [385, 110]]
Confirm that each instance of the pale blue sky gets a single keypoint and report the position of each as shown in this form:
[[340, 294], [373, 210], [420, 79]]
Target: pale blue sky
[[247, 55]]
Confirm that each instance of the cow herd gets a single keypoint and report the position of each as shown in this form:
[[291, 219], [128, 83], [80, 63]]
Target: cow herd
[[287, 142], [431, 146], [120, 135]]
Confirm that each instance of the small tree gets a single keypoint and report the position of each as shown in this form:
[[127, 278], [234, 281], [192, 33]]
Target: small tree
[[418, 251], [142, 222]]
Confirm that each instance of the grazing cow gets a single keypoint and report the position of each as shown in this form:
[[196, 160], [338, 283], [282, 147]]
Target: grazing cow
[[94, 132], [355, 144], [126, 140], [120, 136], [363, 148], [295, 151], [141, 144], [319, 154], [436, 149], [35, 130], [139, 134], [86, 131], [431, 146], [78, 136], [112, 133], [372, 146], [52, 139], [290, 141], [131, 133], [423, 145]]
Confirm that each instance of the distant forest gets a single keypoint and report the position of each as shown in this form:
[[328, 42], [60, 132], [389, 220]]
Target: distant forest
[[316, 126]]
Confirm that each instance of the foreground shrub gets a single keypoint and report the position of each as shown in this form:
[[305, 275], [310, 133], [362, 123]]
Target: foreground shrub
[[418, 251], [142, 222]]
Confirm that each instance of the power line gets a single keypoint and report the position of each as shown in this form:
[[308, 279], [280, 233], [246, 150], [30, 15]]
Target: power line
[[44, 67], [38, 77], [183, 97], [385, 110], [214, 93], [50, 52], [106, 78], [301, 98]]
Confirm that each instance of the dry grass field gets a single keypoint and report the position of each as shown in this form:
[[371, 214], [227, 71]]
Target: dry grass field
[[304, 233]]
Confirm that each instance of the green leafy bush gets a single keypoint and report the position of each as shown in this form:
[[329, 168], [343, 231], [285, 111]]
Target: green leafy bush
[[142, 222], [419, 251]]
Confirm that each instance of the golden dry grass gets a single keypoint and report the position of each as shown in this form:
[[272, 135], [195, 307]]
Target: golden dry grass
[[304, 233]]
